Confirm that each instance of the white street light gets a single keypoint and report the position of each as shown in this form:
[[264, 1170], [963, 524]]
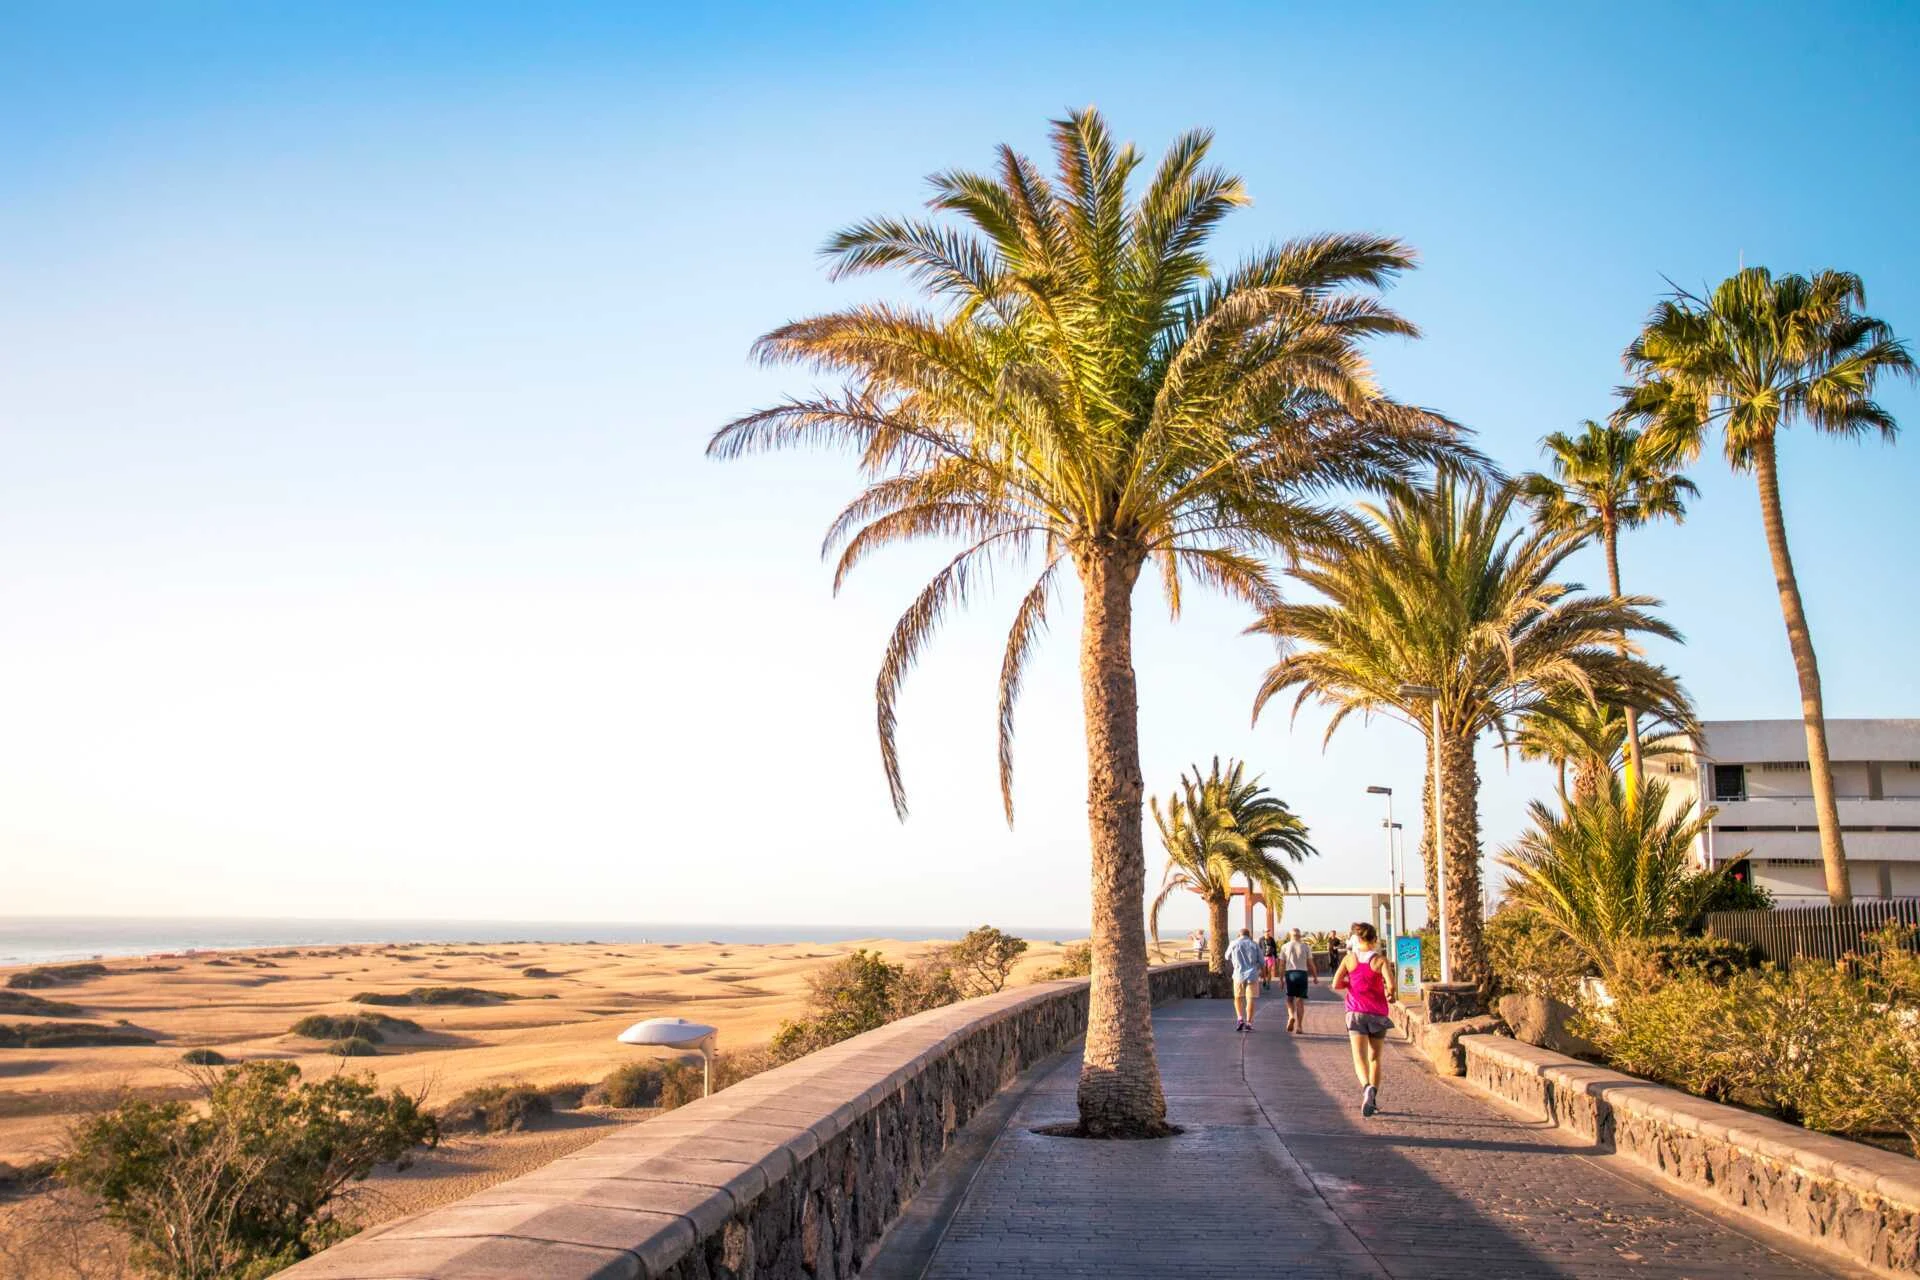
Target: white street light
[[1388, 793], [1439, 819], [678, 1033], [1398, 847]]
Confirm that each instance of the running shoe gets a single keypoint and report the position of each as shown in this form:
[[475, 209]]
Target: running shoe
[[1369, 1101]]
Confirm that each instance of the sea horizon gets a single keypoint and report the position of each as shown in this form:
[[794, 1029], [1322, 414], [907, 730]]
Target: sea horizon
[[53, 939]]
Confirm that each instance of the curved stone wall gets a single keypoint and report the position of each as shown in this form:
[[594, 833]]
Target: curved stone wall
[[796, 1172]]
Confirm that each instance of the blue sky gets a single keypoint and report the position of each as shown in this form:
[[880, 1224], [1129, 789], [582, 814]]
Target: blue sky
[[358, 554]]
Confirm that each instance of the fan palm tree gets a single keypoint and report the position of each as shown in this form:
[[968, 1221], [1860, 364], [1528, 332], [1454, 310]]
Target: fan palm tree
[[1754, 356], [1605, 480], [1219, 826], [1614, 867], [1436, 590], [1081, 391]]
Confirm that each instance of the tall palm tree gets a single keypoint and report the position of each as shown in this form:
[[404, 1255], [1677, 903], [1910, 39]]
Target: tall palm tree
[[1082, 391], [1435, 589], [1605, 480], [1614, 867], [1219, 826], [1754, 356]]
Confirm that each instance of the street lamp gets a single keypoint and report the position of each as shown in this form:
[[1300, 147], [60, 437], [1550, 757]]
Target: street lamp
[[1388, 793], [1439, 819], [1399, 884], [678, 1033]]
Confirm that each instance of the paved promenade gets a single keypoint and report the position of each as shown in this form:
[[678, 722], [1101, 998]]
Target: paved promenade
[[1278, 1175]]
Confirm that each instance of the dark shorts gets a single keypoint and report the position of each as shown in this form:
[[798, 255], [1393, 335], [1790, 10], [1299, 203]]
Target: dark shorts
[[1373, 1025], [1296, 984]]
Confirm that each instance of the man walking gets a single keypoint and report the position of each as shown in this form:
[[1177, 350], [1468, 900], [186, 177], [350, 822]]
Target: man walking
[[1296, 960], [1244, 955]]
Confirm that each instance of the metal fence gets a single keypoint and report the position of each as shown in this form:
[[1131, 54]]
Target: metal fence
[[1786, 934]]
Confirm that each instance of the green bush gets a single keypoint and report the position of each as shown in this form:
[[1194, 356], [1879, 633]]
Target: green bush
[[66, 1035], [204, 1058], [675, 1082], [1531, 956], [433, 995], [1076, 961], [249, 1184], [375, 1027], [1717, 958], [55, 975], [982, 961], [495, 1108], [19, 1002], [634, 1084], [353, 1047], [1820, 1045], [1735, 895]]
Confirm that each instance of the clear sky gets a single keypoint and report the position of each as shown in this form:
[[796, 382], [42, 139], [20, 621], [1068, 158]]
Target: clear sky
[[358, 555]]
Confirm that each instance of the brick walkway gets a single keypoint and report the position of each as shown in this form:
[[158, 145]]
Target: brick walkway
[[1277, 1174]]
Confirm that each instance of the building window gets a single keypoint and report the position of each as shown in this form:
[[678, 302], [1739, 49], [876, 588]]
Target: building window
[[1729, 782], [1676, 768], [1785, 766]]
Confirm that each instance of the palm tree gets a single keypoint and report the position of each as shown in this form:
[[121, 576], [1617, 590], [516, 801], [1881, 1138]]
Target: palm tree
[[1615, 867], [1569, 731], [1605, 480], [1082, 389], [1219, 826], [1754, 356], [1436, 590]]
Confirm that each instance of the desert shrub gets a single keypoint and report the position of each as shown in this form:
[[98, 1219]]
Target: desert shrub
[[1528, 955], [633, 1084], [982, 961], [204, 1058], [567, 1095], [54, 975], [353, 1047], [931, 982], [1717, 958], [858, 993], [250, 1184], [66, 1035], [19, 1002], [1076, 961], [535, 971], [433, 995], [365, 1026], [495, 1108]]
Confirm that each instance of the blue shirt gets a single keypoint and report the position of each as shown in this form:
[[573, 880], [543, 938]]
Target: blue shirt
[[1246, 958]]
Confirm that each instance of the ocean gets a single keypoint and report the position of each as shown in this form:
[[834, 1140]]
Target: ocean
[[46, 939]]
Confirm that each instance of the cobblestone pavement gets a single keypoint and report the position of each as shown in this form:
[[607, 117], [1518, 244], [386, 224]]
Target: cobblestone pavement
[[1277, 1174]]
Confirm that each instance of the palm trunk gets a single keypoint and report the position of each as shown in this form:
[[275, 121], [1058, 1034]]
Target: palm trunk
[[1468, 949], [1217, 935], [1431, 864], [1635, 778], [1120, 1093], [1833, 853], [1590, 778]]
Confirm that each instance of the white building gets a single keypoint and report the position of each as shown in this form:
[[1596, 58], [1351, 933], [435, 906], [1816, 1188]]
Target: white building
[[1755, 773]]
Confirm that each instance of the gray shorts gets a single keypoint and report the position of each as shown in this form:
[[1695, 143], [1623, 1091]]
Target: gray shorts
[[1368, 1024]]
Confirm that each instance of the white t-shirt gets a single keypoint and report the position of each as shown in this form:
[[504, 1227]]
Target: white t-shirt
[[1295, 953]]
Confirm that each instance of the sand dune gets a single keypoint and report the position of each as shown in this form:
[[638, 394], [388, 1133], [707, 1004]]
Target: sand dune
[[543, 1029]]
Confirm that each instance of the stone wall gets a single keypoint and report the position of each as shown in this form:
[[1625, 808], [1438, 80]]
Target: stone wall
[[796, 1172], [1858, 1201]]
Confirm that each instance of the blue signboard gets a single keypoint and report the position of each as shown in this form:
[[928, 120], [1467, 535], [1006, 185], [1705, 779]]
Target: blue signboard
[[1406, 963]]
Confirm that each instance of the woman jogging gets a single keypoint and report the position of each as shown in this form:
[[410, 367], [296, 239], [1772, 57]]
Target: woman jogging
[[1367, 978]]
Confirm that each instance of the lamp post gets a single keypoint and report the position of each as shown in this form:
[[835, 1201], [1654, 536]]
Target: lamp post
[[1388, 824], [678, 1033], [1439, 819], [1399, 885]]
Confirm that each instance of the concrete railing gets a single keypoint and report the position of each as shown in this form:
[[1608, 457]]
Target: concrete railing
[[796, 1172], [1858, 1201]]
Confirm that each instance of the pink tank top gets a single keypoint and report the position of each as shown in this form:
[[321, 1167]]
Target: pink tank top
[[1366, 990]]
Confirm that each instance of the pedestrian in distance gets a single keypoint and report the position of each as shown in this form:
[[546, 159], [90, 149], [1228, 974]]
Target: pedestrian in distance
[[1296, 961], [1272, 953], [1199, 944], [1245, 958]]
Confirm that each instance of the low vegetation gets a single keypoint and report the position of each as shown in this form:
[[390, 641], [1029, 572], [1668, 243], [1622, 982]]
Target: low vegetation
[[24, 1005], [1832, 1047], [674, 1082], [373, 1027], [495, 1108], [55, 975], [434, 995], [251, 1181], [204, 1058], [982, 961], [1076, 961], [353, 1047], [67, 1035]]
